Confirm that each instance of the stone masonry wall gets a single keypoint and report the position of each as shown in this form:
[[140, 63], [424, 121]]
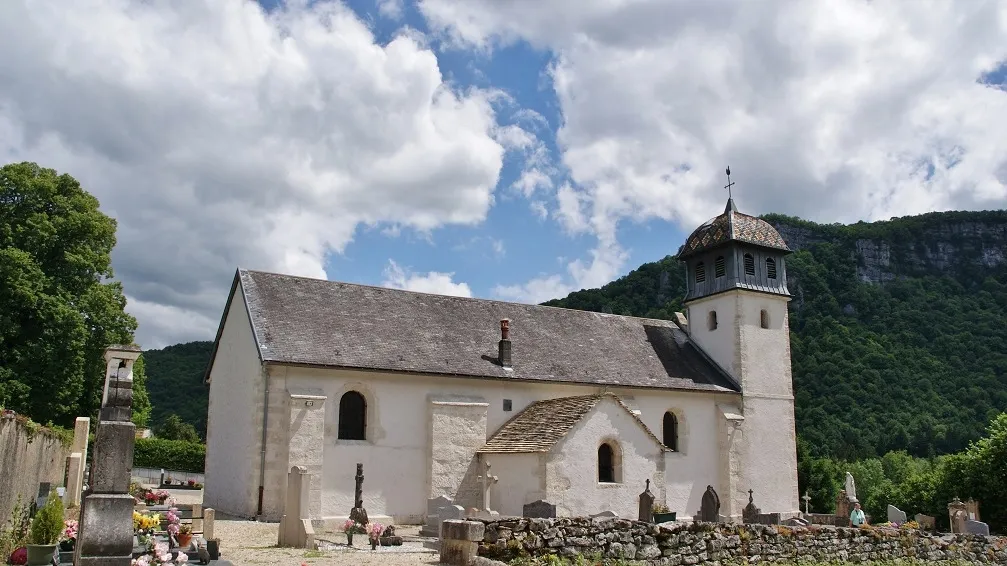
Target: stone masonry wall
[[705, 543], [27, 459]]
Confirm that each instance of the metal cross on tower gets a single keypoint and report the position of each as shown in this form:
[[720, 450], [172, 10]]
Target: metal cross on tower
[[729, 183]]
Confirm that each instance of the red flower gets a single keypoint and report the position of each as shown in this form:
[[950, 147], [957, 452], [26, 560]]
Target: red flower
[[20, 556]]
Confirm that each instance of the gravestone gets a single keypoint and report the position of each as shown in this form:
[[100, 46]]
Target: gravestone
[[926, 522], [433, 523], [710, 510], [896, 515], [604, 515], [957, 515], [295, 525], [105, 527], [750, 514], [972, 509], [646, 504], [977, 528], [43, 493], [488, 480], [358, 514], [539, 510]]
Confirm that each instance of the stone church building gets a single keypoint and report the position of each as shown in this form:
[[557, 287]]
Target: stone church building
[[576, 408]]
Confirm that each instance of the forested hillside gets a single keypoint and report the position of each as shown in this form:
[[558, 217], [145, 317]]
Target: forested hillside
[[175, 383], [898, 328]]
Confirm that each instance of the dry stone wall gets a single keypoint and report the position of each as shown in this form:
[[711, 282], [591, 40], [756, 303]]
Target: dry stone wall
[[29, 455], [712, 543]]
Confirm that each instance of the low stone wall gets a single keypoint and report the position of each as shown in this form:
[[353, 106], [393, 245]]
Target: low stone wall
[[701, 543], [28, 456]]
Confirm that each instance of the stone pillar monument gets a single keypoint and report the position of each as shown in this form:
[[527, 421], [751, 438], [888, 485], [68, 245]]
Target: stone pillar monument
[[105, 530]]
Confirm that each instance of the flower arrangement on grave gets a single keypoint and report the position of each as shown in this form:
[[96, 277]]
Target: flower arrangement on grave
[[69, 536], [374, 531], [351, 527], [192, 483], [160, 556], [144, 525]]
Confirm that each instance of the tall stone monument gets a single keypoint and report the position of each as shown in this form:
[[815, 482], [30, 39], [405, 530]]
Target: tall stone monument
[[105, 530], [358, 514]]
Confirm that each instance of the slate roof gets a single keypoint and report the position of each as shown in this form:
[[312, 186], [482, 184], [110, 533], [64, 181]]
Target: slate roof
[[315, 322], [544, 423], [732, 226]]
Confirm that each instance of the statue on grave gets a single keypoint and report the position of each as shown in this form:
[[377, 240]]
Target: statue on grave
[[358, 514], [851, 487]]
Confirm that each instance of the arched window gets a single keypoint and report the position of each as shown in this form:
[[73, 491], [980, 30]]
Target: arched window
[[700, 272], [606, 464], [711, 320], [749, 264], [770, 268], [352, 416], [764, 318], [671, 431], [719, 268]]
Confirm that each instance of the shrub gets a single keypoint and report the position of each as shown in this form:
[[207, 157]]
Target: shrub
[[176, 455], [47, 526]]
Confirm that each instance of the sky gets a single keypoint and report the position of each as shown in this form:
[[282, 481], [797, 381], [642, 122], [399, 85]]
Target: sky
[[506, 149]]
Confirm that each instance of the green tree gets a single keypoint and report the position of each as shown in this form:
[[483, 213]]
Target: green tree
[[174, 429], [59, 308], [141, 401]]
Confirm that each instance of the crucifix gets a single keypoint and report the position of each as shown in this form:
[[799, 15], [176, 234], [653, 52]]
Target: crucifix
[[488, 481], [806, 498], [729, 183]]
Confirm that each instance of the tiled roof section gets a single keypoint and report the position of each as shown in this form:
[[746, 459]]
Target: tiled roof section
[[316, 322], [544, 423], [732, 225]]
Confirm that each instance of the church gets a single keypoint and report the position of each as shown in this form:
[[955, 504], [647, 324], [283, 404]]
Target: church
[[576, 408]]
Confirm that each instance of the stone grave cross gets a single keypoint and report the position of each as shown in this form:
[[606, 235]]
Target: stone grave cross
[[358, 514], [488, 480], [806, 498]]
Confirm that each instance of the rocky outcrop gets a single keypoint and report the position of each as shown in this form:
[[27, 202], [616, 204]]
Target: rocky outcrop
[[711, 543]]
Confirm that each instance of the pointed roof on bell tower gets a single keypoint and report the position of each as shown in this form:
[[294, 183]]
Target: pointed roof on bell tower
[[732, 226]]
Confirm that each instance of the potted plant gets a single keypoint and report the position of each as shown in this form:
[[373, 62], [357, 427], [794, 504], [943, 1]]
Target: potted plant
[[351, 527], [67, 541], [374, 531], [662, 515], [46, 528], [184, 535]]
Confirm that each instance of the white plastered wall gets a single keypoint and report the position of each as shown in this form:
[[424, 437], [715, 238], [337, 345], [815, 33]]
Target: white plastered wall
[[521, 480], [572, 466], [396, 454], [759, 358], [233, 425]]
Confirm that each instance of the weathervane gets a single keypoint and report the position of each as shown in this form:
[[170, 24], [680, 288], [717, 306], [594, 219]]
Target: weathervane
[[729, 183]]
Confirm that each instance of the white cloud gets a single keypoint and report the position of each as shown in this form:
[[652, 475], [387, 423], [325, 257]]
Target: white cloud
[[221, 136], [832, 110], [433, 282], [391, 9]]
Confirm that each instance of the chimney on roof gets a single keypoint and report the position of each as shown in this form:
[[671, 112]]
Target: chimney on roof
[[505, 345]]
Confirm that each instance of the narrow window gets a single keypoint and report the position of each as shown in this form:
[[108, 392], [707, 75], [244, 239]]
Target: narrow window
[[749, 264], [507, 405], [671, 431], [764, 316], [770, 268], [606, 464], [718, 267], [352, 416], [700, 272], [711, 320]]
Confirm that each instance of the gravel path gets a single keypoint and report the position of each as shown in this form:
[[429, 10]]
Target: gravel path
[[249, 542]]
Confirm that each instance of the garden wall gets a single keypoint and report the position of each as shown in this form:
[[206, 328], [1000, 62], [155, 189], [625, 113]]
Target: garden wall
[[29, 455], [701, 543]]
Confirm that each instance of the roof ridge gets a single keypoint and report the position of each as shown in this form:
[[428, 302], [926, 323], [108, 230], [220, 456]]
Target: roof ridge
[[456, 297]]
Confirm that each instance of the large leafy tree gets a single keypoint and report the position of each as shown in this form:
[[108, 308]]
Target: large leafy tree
[[59, 308]]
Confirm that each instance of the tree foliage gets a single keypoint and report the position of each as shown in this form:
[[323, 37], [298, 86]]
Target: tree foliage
[[176, 372], [59, 309], [174, 429]]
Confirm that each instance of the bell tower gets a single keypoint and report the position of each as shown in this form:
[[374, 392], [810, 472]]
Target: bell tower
[[736, 307]]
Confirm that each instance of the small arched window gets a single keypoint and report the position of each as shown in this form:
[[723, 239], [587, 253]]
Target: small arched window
[[671, 430], [352, 416], [606, 464], [719, 267], [749, 264], [711, 320], [700, 272], [770, 268], [764, 318]]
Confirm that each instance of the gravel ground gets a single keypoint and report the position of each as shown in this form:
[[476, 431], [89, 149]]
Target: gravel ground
[[249, 542]]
